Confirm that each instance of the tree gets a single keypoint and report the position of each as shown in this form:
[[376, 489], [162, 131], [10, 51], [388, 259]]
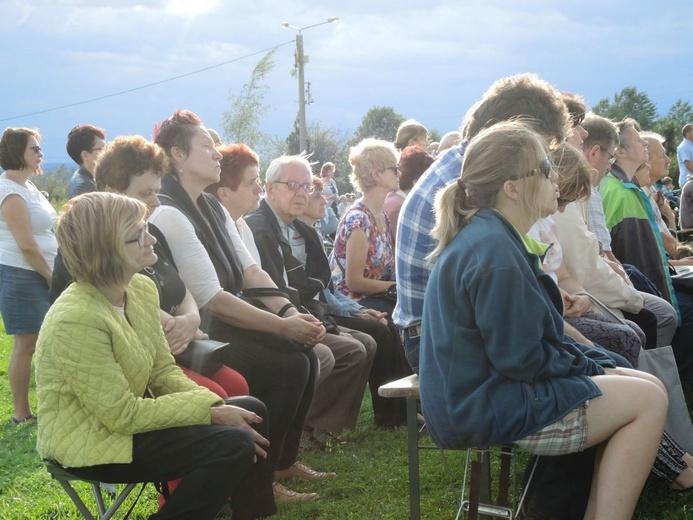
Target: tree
[[324, 145], [241, 123], [629, 103], [55, 183], [379, 122]]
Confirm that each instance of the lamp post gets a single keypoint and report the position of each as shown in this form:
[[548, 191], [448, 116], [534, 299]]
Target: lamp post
[[300, 61]]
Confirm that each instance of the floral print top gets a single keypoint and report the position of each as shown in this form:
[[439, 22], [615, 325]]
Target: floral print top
[[380, 262]]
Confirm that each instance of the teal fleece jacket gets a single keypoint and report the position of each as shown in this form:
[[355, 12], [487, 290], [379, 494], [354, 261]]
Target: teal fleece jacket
[[495, 363]]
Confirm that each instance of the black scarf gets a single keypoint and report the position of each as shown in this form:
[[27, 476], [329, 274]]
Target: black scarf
[[208, 222]]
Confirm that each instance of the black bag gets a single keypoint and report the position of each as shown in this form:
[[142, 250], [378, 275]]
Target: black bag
[[204, 356], [682, 277], [390, 295]]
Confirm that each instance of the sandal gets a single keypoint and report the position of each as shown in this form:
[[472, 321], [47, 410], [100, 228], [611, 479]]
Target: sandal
[[28, 418]]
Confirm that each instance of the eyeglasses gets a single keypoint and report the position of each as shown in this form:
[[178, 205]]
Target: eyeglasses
[[612, 157], [141, 239], [294, 186], [36, 148], [545, 168]]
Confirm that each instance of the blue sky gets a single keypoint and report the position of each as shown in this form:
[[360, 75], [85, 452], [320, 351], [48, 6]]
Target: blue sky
[[429, 60]]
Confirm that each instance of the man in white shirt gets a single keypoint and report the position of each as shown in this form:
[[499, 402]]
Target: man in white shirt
[[684, 153]]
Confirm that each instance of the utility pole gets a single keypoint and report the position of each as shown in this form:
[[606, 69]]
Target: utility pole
[[299, 65]]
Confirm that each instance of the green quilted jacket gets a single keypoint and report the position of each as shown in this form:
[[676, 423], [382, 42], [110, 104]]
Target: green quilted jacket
[[93, 367]]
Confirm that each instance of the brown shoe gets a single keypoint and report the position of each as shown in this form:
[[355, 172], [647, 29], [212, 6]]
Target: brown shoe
[[283, 495], [302, 471]]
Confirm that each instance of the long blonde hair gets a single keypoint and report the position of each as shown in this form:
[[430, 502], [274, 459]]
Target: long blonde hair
[[503, 152]]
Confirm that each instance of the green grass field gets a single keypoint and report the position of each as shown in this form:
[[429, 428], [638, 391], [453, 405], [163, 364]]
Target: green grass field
[[371, 483]]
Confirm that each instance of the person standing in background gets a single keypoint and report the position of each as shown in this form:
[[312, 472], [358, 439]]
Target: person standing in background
[[84, 144], [27, 251]]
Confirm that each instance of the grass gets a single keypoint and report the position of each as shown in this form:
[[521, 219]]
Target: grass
[[372, 481]]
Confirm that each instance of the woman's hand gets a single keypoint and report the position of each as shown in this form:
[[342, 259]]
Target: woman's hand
[[179, 331], [575, 305], [303, 328], [235, 416], [372, 314]]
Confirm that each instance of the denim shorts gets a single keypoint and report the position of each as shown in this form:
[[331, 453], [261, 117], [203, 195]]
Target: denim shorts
[[23, 299]]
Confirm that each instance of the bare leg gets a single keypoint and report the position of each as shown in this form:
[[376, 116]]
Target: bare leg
[[19, 373], [629, 419]]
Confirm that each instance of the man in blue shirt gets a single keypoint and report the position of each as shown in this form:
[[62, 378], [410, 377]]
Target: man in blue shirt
[[524, 95]]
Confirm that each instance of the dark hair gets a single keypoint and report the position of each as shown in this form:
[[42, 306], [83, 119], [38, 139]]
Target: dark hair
[[235, 158], [13, 146], [524, 96], [413, 162], [576, 107], [687, 128], [128, 157], [177, 131], [80, 139]]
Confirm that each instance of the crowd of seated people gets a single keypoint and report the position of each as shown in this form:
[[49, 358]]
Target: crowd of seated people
[[534, 215]]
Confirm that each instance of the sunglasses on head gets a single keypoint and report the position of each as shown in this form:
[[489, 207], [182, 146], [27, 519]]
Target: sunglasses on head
[[544, 168]]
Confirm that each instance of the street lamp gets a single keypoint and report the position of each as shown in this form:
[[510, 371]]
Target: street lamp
[[300, 61]]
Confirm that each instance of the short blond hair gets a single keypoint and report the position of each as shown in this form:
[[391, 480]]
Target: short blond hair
[[408, 130], [370, 154], [92, 231], [574, 172]]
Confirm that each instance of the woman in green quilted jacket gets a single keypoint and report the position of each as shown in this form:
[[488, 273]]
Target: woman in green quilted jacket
[[113, 405]]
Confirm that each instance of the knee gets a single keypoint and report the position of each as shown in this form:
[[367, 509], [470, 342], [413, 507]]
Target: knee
[[25, 343], [249, 403]]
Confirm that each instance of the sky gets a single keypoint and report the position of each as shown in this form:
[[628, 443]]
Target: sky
[[428, 60]]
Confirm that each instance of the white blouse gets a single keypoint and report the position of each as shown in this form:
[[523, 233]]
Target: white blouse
[[42, 218], [194, 265]]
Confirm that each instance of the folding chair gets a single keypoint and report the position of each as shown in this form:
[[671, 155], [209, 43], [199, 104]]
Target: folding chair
[[64, 478]]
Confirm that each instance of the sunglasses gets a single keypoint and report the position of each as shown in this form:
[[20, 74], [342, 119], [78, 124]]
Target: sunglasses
[[141, 239], [294, 186], [544, 168]]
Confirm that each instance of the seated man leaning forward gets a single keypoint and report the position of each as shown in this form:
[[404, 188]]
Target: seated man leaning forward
[[114, 406]]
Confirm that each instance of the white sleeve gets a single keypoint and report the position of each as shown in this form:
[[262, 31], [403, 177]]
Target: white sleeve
[[248, 239], [194, 265], [244, 255]]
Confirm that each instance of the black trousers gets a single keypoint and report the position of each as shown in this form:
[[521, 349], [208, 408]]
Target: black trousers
[[389, 364], [215, 463], [281, 375]]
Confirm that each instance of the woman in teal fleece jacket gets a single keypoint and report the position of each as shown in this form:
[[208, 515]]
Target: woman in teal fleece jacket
[[113, 406], [496, 366]]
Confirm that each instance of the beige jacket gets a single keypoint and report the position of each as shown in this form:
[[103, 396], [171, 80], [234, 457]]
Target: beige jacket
[[581, 258]]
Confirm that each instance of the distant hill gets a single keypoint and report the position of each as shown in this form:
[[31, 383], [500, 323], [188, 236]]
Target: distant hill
[[49, 167]]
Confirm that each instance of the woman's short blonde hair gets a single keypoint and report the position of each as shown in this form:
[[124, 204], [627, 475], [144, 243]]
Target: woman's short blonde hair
[[92, 231], [574, 173], [410, 129], [367, 156]]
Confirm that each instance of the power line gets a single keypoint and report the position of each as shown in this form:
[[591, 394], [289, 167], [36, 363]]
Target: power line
[[148, 85]]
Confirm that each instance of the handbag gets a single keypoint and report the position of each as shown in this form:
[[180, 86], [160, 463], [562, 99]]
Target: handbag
[[204, 356], [682, 277], [390, 295]]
